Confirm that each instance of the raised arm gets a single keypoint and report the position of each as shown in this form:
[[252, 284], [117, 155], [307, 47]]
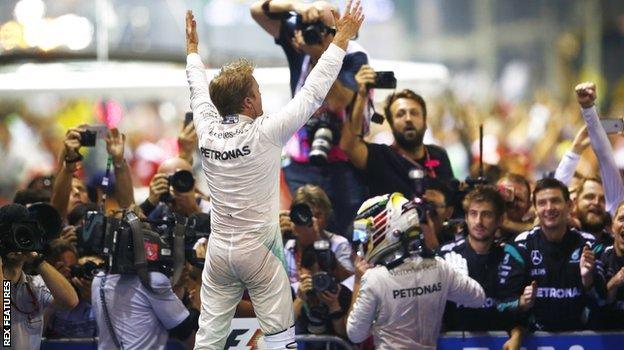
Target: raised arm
[[68, 161], [569, 161], [611, 179], [351, 141], [280, 127], [204, 111], [267, 13], [124, 192]]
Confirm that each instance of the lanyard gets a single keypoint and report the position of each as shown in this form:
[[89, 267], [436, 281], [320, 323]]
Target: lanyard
[[428, 164], [33, 300]]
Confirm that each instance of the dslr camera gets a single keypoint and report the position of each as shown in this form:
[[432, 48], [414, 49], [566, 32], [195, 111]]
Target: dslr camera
[[87, 270], [384, 80], [39, 224], [182, 181], [322, 280], [301, 215], [313, 32], [324, 131]]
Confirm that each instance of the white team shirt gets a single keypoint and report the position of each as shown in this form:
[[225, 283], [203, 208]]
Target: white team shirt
[[404, 307], [241, 156]]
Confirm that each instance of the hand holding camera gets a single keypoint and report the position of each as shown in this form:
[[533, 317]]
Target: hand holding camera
[[330, 298], [364, 78], [159, 185], [72, 145], [305, 286]]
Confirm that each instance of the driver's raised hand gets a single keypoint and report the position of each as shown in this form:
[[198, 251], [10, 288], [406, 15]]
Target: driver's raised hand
[[348, 25], [191, 33]]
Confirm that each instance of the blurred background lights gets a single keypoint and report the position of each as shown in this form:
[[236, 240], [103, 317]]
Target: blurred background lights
[[28, 11], [32, 29]]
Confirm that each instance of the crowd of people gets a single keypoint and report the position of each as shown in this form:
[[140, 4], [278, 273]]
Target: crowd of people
[[499, 251]]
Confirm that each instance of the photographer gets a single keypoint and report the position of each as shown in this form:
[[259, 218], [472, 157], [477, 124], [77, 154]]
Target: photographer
[[516, 192], [30, 295], [69, 191], [129, 315], [321, 303], [401, 300], [78, 322], [387, 168], [172, 191], [311, 210], [304, 31], [134, 303]]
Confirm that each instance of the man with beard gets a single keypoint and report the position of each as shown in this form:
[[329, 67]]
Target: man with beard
[[591, 212], [484, 208], [388, 167], [550, 271]]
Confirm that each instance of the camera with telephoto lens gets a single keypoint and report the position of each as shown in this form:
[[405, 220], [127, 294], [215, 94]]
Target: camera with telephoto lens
[[301, 215], [324, 131], [182, 181], [313, 32], [28, 230], [322, 280]]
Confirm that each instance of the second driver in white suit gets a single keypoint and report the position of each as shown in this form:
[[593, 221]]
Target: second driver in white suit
[[240, 151], [401, 299]]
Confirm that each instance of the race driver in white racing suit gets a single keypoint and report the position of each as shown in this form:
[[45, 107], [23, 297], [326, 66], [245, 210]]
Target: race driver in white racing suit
[[240, 151], [402, 298]]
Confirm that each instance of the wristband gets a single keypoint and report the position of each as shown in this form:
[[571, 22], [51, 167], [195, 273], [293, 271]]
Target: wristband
[[336, 315], [120, 164], [38, 260], [74, 160]]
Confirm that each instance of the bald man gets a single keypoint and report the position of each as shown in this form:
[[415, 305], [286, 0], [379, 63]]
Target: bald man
[[184, 203]]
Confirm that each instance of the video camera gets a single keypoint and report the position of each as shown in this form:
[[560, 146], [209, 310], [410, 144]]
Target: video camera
[[165, 245], [28, 229], [313, 32]]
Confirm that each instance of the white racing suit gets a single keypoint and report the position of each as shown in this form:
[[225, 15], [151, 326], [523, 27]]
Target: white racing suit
[[241, 160], [404, 306]]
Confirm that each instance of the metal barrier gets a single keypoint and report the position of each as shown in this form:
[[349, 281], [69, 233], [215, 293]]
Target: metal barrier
[[91, 344], [327, 339]]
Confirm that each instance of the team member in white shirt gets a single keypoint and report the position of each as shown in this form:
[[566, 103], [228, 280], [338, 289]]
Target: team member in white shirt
[[241, 151]]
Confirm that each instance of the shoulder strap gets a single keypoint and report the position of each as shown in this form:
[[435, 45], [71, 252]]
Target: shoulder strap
[[140, 262], [109, 324]]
